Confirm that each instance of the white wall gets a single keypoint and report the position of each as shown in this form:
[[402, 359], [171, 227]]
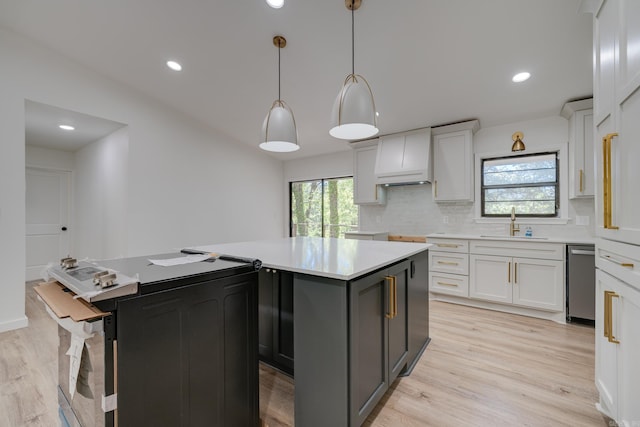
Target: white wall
[[187, 184], [100, 194], [49, 159]]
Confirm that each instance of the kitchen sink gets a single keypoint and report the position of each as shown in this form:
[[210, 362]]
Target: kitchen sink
[[486, 236]]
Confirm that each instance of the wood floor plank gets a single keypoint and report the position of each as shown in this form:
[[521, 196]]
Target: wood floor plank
[[482, 368]]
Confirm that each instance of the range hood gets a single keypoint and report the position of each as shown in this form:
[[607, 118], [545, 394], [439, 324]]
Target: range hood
[[404, 158]]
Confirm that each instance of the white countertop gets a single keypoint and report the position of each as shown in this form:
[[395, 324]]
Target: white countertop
[[540, 239], [342, 259]]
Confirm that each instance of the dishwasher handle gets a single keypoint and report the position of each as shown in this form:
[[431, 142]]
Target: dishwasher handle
[[582, 252]]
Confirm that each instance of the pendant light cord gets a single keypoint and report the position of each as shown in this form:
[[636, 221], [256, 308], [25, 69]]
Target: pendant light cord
[[353, 43], [279, 48]]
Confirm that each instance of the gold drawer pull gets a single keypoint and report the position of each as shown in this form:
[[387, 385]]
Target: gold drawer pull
[[447, 263], [620, 263], [447, 245], [447, 284], [509, 273]]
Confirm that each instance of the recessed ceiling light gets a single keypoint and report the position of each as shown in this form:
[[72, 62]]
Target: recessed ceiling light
[[520, 77], [66, 127], [276, 4], [174, 65]]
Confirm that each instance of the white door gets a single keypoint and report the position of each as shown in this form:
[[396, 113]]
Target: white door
[[490, 278], [628, 355], [47, 218], [617, 108], [606, 352], [538, 283]]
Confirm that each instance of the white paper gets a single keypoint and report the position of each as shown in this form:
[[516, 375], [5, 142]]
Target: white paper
[[189, 259], [75, 359]]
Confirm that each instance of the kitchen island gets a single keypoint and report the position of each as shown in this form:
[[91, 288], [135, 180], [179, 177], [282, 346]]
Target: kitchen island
[[360, 316]]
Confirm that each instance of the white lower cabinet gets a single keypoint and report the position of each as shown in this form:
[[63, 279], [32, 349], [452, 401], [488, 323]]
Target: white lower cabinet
[[527, 282], [617, 349], [520, 277]]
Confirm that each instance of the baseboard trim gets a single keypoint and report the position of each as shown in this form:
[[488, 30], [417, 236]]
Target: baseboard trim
[[21, 322]]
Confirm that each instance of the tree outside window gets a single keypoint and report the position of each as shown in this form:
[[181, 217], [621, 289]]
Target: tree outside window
[[323, 207]]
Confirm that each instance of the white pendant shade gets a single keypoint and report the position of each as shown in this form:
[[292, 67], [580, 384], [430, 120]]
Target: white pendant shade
[[354, 112], [279, 131]]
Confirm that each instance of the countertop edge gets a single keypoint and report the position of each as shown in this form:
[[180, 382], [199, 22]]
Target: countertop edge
[[561, 240]]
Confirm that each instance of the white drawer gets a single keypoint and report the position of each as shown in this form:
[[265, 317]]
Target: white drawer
[[451, 284], [620, 260], [449, 262], [539, 250], [449, 245]]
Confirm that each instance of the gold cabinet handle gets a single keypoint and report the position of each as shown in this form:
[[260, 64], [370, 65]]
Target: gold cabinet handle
[[509, 273], [606, 314], [375, 191], [515, 272], [620, 263], [581, 181], [447, 284], [395, 296], [608, 320], [435, 188], [389, 280], [606, 180], [447, 263], [447, 245]]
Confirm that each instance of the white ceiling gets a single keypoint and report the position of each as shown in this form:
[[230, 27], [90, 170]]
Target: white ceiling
[[428, 62], [42, 127]]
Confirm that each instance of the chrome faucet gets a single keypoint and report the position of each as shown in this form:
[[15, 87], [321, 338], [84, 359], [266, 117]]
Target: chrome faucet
[[513, 229]]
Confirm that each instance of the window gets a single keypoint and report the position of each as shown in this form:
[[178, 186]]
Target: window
[[529, 183], [322, 208]]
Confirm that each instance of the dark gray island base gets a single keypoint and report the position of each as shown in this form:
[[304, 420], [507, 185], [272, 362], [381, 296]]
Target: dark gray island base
[[351, 338]]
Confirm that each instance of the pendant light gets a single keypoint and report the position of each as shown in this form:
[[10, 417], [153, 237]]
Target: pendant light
[[354, 111], [279, 133]]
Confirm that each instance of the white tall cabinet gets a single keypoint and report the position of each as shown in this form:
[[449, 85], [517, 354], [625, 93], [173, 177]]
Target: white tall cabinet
[[617, 119], [453, 161], [581, 151], [616, 84], [366, 189]]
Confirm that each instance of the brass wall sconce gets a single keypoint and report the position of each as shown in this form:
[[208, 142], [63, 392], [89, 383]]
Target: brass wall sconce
[[518, 145]]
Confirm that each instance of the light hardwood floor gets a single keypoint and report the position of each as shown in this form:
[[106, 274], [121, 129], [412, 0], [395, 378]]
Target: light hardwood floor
[[482, 368]]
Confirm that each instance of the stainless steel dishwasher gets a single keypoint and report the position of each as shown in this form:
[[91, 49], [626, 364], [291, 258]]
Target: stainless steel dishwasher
[[581, 283]]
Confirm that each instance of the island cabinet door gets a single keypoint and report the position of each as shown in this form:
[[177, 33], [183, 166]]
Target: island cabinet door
[[379, 337], [189, 356], [398, 276], [368, 361]]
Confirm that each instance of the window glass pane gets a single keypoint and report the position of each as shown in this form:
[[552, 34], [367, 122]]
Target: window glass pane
[[527, 170], [323, 208], [306, 208], [529, 183], [340, 214]]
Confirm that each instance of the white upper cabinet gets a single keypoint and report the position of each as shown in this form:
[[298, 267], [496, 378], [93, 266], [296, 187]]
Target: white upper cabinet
[[453, 162], [404, 158], [616, 120], [366, 190], [581, 160]]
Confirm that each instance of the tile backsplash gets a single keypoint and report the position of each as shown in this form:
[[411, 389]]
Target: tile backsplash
[[410, 210]]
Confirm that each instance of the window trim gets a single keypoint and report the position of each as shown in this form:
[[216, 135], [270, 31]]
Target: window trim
[[556, 213], [563, 177]]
